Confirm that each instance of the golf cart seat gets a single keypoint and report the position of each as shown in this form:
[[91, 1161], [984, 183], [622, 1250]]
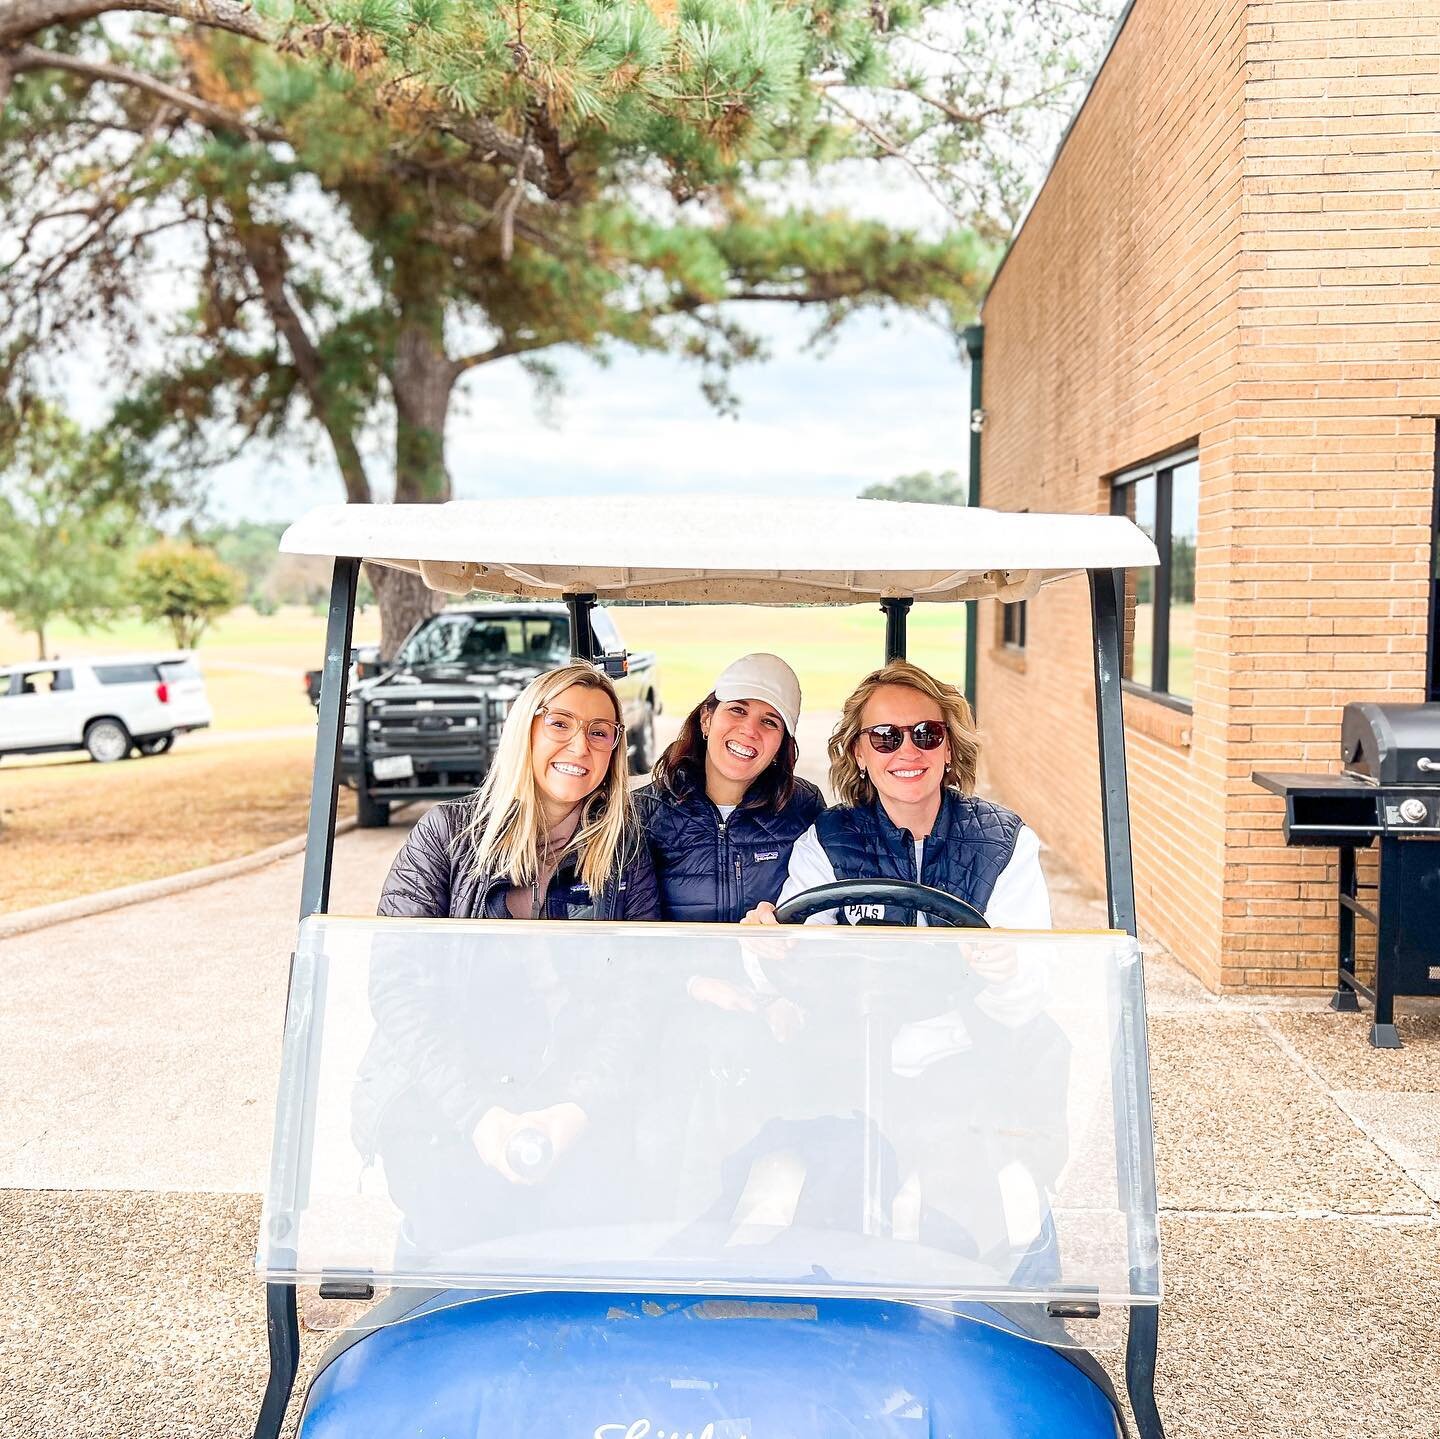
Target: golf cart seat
[[558, 1364]]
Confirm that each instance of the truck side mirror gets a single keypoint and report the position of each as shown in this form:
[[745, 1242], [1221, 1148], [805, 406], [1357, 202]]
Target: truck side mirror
[[616, 666]]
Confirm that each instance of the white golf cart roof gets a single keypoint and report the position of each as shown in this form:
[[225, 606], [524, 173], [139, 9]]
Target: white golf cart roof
[[734, 549]]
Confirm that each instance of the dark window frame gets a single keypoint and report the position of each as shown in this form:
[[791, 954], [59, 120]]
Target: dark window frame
[[128, 673], [1432, 622], [1162, 472], [62, 681], [1014, 623]]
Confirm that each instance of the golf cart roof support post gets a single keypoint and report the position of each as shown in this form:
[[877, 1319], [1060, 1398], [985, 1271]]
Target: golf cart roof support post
[[1107, 590], [1107, 611], [582, 632], [896, 611], [975, 348], [282, 1324], [325, 789]]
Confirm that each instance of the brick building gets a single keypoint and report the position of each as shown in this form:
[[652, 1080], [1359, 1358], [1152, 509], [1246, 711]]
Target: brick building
[[1222, 317]]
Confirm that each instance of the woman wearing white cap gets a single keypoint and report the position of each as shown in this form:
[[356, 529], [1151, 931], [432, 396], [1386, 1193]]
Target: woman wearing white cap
[[725, 806]]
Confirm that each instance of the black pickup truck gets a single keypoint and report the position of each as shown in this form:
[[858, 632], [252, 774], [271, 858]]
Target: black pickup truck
[[427, 725]]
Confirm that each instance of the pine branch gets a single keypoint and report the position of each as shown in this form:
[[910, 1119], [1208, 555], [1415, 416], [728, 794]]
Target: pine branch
[[502, 351], [31, 57], [266, 255], [22, 18]]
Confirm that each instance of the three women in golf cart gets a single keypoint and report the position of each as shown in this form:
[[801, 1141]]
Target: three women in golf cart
[[726, 829]]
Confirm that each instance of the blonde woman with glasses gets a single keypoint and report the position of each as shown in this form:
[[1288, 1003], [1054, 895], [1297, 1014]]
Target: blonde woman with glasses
[[490, 1104], [549, 834], [902, 765]]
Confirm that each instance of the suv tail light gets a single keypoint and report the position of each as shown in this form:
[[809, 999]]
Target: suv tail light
[[162, 693]]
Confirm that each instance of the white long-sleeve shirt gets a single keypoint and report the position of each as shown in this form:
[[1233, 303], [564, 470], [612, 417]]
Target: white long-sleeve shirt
[[1020, 899]]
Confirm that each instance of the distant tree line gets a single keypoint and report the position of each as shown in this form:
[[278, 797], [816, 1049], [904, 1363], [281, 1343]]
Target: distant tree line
[[923, 487]]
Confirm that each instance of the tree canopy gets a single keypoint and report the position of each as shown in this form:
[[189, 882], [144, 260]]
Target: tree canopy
[[314, 220], [946, 488], [62, 549], [187, 586]]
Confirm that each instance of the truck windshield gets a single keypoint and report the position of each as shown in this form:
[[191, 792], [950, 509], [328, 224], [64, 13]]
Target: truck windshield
[[923, 1114], [472, 640]]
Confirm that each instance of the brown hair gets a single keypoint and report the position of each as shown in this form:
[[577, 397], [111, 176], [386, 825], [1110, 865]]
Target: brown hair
[[681, 769], [851, 784]]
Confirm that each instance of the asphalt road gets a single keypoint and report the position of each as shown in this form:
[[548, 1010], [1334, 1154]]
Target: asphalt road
[[1298, 1175]]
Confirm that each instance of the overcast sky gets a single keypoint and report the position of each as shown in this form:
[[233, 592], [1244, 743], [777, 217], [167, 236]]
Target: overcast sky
[[888, 399]]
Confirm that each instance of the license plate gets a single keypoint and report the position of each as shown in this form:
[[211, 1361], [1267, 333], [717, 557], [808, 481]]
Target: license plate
[[393, 766]]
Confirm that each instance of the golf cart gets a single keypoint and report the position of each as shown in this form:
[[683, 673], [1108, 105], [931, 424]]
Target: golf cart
[[909, 1190]]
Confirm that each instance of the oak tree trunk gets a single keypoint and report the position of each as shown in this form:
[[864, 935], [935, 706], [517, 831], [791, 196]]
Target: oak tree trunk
[[404, 601]]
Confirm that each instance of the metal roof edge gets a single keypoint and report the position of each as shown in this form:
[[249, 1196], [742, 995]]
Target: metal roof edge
[[1060, 146]]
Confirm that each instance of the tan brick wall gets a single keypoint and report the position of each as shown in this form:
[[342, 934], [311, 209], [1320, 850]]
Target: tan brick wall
[[1237, 246]]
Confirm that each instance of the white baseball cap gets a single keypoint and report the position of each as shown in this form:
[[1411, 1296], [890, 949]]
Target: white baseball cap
[[763, 677]]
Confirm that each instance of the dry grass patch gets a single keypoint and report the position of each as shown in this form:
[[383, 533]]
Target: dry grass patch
[[76, 828]]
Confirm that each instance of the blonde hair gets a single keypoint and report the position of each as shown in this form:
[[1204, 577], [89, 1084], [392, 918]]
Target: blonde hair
[[851, 784], [508, 826]]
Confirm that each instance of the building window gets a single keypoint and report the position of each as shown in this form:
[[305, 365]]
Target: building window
[[1163, 498], [1012, 625]]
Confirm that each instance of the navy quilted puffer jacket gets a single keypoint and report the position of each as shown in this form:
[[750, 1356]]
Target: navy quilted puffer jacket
[[714, 870], [965, 853]]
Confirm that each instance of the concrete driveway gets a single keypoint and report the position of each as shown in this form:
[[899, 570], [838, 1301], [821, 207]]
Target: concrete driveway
[[1299, 1172]]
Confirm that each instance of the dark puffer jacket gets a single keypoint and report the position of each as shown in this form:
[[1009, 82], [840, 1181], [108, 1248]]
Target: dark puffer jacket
[[710, 869], [434, 877], [965, 852]]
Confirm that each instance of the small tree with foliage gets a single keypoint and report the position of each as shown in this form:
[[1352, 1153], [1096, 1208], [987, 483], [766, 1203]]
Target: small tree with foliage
[[60, 553], [924, 488], [186, 586]]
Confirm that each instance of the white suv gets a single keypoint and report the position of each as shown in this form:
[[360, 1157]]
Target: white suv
[[109, 705]]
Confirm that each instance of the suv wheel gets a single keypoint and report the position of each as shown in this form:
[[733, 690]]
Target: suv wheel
[[158, 745], [371, 813], [642, 760], [107, 740]]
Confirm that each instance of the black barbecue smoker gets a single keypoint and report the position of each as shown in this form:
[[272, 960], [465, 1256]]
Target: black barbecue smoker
[[1388, 791]]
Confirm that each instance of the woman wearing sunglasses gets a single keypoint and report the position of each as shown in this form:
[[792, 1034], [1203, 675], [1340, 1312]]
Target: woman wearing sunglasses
[[902, 764], [549, 834]]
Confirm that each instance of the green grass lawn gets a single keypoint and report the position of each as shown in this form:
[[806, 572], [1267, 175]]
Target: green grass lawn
[[830, 649], [254, 664]]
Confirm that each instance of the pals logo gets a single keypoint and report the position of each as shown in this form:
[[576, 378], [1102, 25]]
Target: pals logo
[[858, 913]]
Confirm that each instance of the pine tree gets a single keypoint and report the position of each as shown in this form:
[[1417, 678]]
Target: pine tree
[[378, 197]]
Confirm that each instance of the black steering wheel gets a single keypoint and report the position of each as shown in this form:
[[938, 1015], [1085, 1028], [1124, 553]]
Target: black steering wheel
[[936, 904]]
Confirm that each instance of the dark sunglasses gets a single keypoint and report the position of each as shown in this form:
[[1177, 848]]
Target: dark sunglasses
[[887, 738]]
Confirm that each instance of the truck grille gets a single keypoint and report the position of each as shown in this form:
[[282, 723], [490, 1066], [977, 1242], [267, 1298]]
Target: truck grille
[[439, 727]]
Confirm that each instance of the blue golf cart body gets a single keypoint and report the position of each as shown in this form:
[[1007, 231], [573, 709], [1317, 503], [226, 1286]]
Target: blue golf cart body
[[909, 1191]]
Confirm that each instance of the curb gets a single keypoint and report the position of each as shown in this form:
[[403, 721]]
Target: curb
[[45, 915]]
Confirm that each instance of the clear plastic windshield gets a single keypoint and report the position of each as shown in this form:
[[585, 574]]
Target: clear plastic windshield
[[924, 1115]]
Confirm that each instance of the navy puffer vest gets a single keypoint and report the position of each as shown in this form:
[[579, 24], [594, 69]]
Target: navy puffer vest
[[965, 853], [709, 869]]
